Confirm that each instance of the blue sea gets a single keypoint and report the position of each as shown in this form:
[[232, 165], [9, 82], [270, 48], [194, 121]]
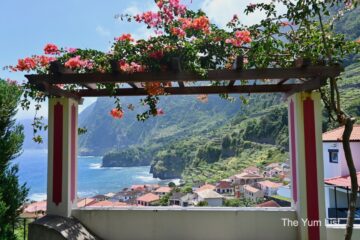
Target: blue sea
[[92, 178]]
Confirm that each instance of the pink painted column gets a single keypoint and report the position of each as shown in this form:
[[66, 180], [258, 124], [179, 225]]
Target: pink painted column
[[305, 134], [62, 156]]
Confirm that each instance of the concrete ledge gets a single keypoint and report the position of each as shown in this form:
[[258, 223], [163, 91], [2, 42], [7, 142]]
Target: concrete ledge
[[58, 228], [336, 231], [188, 223]]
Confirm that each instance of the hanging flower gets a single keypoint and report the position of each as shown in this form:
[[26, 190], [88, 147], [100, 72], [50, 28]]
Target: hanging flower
[[51, 49], [203, 98], [117, 113], [159, 112], [44, 60]]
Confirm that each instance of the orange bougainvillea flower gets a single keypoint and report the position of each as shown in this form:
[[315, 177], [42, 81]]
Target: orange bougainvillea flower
[[117, 113], [154, 88]]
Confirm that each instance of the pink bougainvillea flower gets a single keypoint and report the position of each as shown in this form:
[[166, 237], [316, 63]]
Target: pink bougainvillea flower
[[71, 50], [76, 62], [241, 38], [125, 37], [51, 49], [159, 112], [117, 113]]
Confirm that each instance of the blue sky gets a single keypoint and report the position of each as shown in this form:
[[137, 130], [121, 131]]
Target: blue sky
[[27, 25]]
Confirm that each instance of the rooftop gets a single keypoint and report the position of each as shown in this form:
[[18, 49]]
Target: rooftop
[[251, 189], [335, 135], [149, 197], [270, 203], [270, 184], [163, 190], [341, 181], [223, 184], [206, 187], [208, 194]]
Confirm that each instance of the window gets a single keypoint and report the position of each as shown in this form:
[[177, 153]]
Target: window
[[333, 155]]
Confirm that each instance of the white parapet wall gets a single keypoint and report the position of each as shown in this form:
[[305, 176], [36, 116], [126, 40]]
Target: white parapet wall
[[189, 223], [336, 232]]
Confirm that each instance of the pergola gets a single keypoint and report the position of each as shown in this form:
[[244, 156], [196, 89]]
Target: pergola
[[304, 109]]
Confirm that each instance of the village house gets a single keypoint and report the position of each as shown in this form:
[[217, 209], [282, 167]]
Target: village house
[[336, 173], [188, 200], [175, 198], [269, 188], [148, 199], [252, 193], [239, 180], [212, 198], [224, 187], [162, 191]]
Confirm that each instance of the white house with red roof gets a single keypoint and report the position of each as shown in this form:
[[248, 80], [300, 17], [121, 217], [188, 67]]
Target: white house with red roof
[[224, 187], [269, 188], [336, 173]]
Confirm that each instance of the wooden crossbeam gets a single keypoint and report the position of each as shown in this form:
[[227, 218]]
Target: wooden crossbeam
[[282, 81], [57, 68], [200, 90], [58, 92], [213, 75]]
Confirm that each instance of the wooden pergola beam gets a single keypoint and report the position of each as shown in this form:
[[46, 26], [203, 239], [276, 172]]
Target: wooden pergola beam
[[199, 90], [213, 75]]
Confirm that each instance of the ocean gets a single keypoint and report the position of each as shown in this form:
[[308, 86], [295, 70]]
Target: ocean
[[92, 178]]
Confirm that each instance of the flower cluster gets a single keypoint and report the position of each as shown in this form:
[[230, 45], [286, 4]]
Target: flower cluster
[[130, 68], [156, 88], [168, 9], [241, 38], [201, 23], [125, 37], [31, 63], [77, 63], [51, 49]]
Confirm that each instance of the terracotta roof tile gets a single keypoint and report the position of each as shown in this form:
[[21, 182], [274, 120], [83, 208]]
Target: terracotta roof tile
[[336, 134], [270, 203], [163, 190], [149, 197], [206, 187], [223, 185], [251, 189], [270, 184], [341, 181]]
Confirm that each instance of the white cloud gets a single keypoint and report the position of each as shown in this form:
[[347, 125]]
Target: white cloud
[[222, 11], [102, 31]]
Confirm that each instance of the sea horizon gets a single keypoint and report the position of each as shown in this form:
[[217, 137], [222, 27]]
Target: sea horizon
[[92, 178]]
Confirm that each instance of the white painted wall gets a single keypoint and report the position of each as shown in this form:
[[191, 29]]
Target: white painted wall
[[336, 232], [339, 169], [189, 223]]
